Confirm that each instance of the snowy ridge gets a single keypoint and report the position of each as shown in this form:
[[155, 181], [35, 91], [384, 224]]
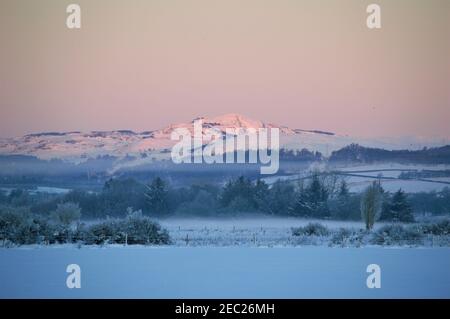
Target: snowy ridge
[[155, 144]]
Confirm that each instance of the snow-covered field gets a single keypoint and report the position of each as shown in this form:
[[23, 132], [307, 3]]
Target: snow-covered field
[[393, 166], [358, 184], [367, 174], [227, 258], [358, 177], [254, 232], [233, 272]]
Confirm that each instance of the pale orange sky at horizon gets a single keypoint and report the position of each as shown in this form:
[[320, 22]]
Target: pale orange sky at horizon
[[310, 64]]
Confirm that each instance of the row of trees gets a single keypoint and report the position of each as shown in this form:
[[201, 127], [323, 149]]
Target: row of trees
[[361, 154], [320, 196]]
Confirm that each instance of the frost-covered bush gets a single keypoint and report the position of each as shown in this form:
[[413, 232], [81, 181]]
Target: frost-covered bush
[[341, 236], [63, 217], [37, 230], [397, 235], [135, 229], [79, 233], [305, 240], [22, 228], [10, 222], [438, 228], [346, 236], [312, 229], [141, 230], [106, 232]]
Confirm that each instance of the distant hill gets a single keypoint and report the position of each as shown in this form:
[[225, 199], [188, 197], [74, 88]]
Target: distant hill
[[155, 145], [355, 153]]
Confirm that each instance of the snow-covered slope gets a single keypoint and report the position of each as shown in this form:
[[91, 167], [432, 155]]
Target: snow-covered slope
[[77, 146]]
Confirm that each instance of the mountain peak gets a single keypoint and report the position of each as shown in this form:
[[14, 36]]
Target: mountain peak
[[77, 146], [233, 120]]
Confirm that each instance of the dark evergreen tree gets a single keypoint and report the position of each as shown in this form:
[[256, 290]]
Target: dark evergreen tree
[[341, 206], [398, 209], [119, 194], [312, 200], [239, 193], [302, 206], [157, 196], [280, 198], [261, 196]]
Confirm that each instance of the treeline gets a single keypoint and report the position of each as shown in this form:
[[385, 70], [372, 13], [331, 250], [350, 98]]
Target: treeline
[[20, 227], [360, 154], [323, 196], [303, 155], [424, 174]]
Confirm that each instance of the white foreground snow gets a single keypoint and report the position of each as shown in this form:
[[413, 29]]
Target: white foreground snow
[[234, 272]]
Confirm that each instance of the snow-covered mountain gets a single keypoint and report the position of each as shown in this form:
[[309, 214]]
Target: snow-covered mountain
[[78, 146]]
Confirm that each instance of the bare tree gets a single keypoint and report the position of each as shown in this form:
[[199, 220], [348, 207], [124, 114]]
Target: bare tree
[[371, 203]]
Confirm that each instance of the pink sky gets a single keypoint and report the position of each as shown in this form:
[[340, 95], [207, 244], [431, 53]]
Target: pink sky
[[309, 64]]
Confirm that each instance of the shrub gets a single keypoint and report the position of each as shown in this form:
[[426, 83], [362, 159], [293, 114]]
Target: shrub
[[312, 229], [135, 229], [141, 230], [107, 232], [439, 228], [397, 234], [342, 236], [11, 221], [37, 230], [345, 236], [22, 228]]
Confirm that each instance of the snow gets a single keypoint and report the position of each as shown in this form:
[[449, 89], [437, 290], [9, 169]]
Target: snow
[[254, 257], [40, 189], [250, 231], [358, 177], [393, 166], [76, 146], [250, 222], [52, 190], [358, 184], [234, 272]]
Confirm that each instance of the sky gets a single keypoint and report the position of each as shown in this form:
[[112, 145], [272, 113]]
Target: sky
[[143, 64]]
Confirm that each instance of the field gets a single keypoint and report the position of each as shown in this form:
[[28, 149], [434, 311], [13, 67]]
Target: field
[[233, 272], [358, 177], [251, 232], [227, 258]]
